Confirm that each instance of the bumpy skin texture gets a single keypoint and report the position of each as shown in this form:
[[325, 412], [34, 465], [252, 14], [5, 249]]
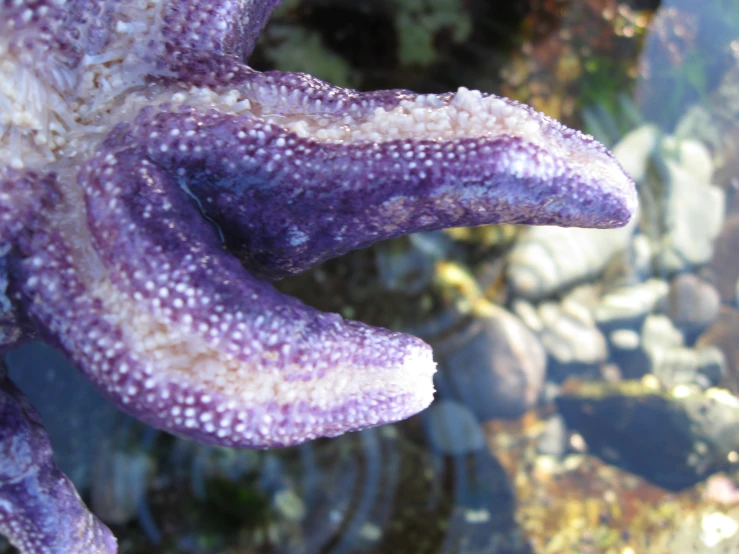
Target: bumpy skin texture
[[150, 182]]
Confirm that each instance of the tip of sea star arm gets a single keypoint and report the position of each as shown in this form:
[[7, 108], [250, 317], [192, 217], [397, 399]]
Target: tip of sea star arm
[[40, 511]]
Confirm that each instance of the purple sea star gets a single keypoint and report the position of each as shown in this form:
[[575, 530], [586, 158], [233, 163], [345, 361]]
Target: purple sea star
[[149, 179]]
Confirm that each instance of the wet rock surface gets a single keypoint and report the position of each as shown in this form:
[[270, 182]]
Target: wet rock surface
[[453, 429], [498, 371], [693, 304], [568, 331], [725, 263], [548, 260], [672, 438], [576, 502], [694, 211], [724, 334], [629, 306]]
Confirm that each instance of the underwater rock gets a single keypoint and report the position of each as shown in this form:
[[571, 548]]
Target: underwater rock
[[631, 348], [725, 263], [658, 331], [500, 370], [635, 148], [722, 489], [659, 349], [705, 531], [453, 429], [703, 367], [641, 253], [550, 259], [692, 304], [570, 335], [628, 306], [625, 339], [483, 519], [681, 210], [724, 334], [692, 155], [673, 439], [553, 438], [568, 332], [627, 353], [695, 211], [577, 504]]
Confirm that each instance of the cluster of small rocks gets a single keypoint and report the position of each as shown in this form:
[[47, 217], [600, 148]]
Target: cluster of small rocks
[[638, 322], [605, 381]]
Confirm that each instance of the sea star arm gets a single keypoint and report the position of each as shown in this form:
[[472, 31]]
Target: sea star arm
[[230, 28], [343, 169], [172, 329], [325, 171], [40, 510]]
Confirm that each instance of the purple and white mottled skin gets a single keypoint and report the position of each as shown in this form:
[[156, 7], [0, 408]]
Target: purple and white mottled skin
[[138, 154]]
